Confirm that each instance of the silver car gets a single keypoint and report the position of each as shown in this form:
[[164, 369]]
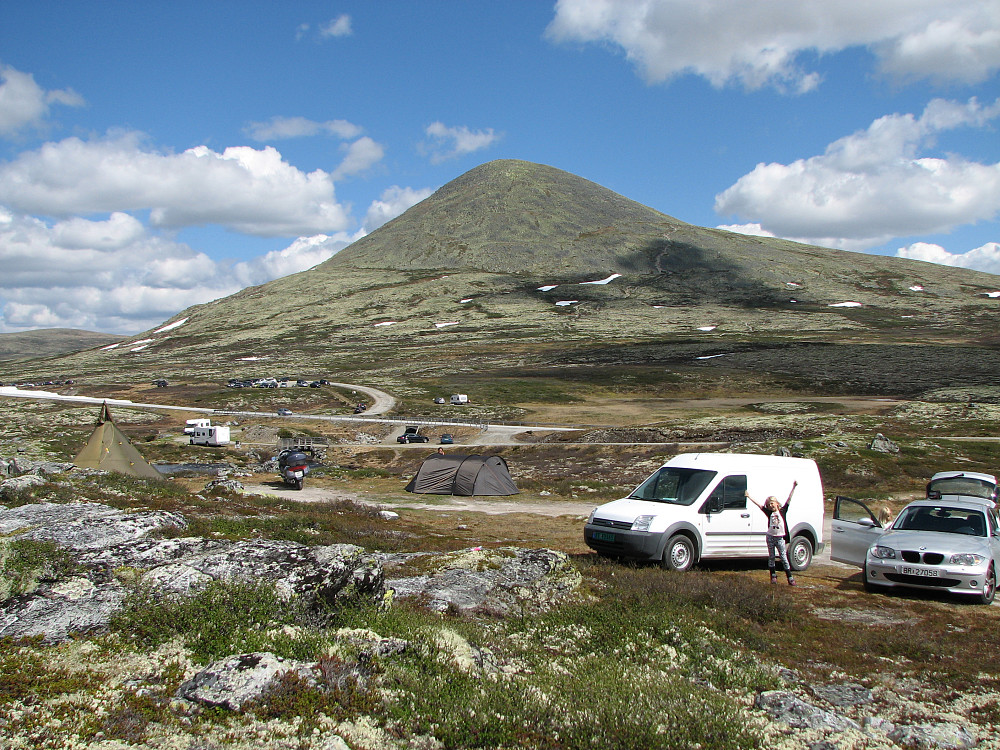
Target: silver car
[[934, 544]]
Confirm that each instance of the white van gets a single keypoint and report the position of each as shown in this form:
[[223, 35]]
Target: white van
[[695, 507], [192, 424], [214, 436]]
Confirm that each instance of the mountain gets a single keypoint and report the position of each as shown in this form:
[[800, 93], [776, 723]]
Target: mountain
[[517, 262], [48, 342]]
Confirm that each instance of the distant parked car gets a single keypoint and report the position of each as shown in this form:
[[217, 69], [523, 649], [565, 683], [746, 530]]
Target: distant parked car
[[935, 544], [410, 435], [284, 412], [447, 439], [440, 400]]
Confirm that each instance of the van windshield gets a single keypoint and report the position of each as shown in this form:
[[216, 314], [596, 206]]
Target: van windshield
[[674, 485]]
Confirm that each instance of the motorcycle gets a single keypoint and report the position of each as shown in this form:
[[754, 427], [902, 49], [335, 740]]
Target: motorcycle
[[293, 467]]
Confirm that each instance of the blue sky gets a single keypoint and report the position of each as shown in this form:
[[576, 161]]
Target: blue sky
[[158, 155]]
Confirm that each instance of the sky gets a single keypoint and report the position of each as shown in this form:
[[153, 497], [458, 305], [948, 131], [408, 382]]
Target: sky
[[155, 156]]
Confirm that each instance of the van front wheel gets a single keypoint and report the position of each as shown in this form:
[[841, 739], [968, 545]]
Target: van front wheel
[[800, 553], [678, 554]]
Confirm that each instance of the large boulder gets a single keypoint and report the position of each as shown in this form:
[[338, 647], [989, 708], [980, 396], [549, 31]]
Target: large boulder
[[82, 526], [236, 680], [504, 580]]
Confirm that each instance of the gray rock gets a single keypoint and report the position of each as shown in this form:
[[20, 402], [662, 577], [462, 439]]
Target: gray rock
[[318, 574], [506, 580], [843, 694], [882, 444], [57, 611], [788, 708], [223, 485], [877, 725], [933, 737], [82, 526], [236, 680], [14, 485]]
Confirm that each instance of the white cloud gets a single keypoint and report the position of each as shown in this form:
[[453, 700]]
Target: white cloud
[[764, 43], [339, 26], [753, 229], [984, 258], [302, 254], [24, 104], [393, 201], [449, 142], [113, 276], [358, 157], [243, 189], [278, 128], [873, 185]]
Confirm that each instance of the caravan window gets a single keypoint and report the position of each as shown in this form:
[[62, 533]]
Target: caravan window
[[674, 485]]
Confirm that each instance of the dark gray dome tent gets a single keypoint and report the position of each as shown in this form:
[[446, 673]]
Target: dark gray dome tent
[[468, 475]]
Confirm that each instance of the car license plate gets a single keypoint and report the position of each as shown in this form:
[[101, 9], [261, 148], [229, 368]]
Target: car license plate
[[923, 572], [603, 536]]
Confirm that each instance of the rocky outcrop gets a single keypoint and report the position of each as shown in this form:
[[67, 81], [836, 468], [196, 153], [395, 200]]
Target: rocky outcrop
[[237, 680], [82, 526], [504, 580], [112, 551]]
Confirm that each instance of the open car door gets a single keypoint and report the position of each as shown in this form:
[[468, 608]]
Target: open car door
[[854, 530]]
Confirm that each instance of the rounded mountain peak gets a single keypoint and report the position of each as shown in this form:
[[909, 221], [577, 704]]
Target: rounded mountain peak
[[510, 216]]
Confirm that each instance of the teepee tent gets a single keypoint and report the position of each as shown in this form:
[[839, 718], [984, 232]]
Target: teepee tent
[[109, 449], [466, 475]]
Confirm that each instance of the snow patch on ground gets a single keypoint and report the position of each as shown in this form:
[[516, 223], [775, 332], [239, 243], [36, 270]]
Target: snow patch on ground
[[172, 326], [846, 304], [547, 287], [566, 302], [713, 356], [916, 288], [793, 284], [109, 347], [608, 280], [250, 359], [445, 325], [707, 328], [992, 295], [463, 301], [385, 323], [139, 348]]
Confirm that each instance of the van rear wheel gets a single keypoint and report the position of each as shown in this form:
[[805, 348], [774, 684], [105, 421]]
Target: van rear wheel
[[678, 554], [800, 553]]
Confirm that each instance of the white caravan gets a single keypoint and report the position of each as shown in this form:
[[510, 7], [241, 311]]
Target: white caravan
[[695, 507], [192, 424], [459, 398], [213, 436]]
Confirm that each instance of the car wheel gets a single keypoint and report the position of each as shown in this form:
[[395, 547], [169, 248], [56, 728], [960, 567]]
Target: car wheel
[[678, 554], [989, 586], [800, 553]]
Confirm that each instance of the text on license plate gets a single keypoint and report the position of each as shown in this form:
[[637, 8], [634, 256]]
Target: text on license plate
[[603, 536], [925, 572]]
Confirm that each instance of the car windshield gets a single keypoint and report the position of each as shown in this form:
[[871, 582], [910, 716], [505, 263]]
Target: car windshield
[[674, 485], [962, 486], [941, 518]]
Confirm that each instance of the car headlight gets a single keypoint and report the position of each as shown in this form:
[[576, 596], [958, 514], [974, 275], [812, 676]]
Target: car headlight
[[641, 523], [966, 558], [883, 553]]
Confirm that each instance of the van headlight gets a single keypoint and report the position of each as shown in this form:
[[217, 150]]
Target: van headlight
[[641, 523], [966, 558], [883, 553]]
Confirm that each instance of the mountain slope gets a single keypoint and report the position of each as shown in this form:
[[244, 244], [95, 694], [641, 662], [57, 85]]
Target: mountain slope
[[499, 265], [50, 341]]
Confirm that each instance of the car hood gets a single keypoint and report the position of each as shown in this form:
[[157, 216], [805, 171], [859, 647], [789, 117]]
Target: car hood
[[935, 541]]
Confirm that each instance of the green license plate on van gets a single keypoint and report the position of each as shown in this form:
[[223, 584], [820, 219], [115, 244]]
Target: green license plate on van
[[603, 536]]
